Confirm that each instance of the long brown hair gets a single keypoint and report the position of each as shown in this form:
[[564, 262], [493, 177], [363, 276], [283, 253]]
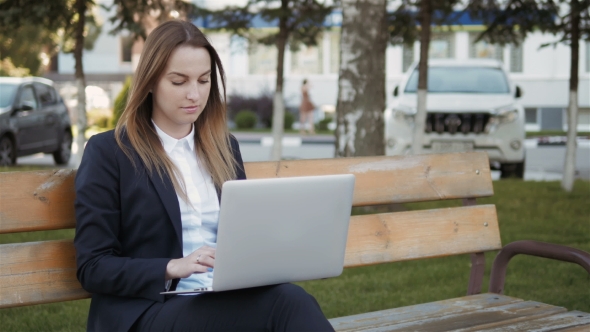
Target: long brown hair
[[212, 139]]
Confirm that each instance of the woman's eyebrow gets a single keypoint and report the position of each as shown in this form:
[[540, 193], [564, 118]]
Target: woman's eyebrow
[[177, 73], [186, 76]]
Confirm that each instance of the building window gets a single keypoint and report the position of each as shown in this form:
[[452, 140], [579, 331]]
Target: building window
[[307, 60], [483, 49], [516, 58], [126, 45], [262, 59], [588, 56], [584, 119], [334, 52], [532, 119], [531, 116], [442, 46], [407, 56]]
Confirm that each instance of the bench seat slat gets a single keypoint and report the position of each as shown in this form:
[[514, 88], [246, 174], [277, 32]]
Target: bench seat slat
[[420, 311], [475, 319], [576, 320], [398, 179], [38, 272], [578, 328], [400, 236]]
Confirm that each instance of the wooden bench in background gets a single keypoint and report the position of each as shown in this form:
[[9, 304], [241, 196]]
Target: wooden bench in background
[[44, 272]]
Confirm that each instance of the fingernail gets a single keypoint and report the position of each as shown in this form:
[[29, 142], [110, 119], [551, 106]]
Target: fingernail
[[210, 269]]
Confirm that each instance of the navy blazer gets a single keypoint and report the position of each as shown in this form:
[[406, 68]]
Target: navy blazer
[[128, 228]]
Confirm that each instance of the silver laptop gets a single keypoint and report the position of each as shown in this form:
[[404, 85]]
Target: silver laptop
[[273, 231]]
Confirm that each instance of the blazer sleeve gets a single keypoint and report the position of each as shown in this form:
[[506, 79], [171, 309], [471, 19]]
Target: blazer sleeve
[[101, 267]]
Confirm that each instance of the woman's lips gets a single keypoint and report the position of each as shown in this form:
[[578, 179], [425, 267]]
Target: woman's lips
[[191, 109]]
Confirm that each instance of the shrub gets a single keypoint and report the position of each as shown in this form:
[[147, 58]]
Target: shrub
[[289, 119], [121, 102], [7, 68], [323, 124], [261, 105], [245, 119], [101, 118]]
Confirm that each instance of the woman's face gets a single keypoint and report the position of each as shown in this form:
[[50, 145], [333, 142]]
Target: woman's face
[[181, 93]]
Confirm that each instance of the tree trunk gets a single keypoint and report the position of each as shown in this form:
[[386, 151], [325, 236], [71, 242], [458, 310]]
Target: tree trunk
[[567, 182], [361, 82], [81, 7], [278, 105], [420, 120]]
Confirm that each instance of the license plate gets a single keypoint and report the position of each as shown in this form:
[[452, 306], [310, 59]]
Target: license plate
[[445, 147]]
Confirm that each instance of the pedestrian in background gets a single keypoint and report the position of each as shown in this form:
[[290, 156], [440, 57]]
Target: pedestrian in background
[[306, 110]]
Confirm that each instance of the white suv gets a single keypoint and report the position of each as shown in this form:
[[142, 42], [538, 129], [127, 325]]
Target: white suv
[[471, 106]]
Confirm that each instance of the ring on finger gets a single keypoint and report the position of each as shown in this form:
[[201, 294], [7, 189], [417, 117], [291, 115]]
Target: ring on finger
[[198, 257]]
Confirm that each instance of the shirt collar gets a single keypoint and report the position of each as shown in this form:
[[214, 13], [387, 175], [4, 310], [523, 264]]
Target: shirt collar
[[170, 142]]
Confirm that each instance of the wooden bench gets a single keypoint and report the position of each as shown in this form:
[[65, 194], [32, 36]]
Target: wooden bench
[[43, 272]]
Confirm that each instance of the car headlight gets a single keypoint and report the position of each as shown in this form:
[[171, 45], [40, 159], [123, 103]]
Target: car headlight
[[404, 114], [506, 114]]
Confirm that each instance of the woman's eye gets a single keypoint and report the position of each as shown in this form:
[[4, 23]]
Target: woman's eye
[[177, 83], [204, 81]]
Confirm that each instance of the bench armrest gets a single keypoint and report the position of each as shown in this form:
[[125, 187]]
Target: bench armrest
[[533, 248]]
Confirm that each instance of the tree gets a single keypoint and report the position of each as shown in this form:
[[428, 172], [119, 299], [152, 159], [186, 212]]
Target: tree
[[29, 28], [27, 47], [361, 81], [414, 18], [511, 22], [80, 8], [140, 16], [425, 18], [65, 15], [299, 21]]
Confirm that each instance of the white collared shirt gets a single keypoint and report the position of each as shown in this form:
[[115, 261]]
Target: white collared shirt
[[200, 217]]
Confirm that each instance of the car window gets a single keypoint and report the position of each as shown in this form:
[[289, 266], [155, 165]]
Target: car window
[[462, 80], [46, 94], [27, 97], [7, 92]]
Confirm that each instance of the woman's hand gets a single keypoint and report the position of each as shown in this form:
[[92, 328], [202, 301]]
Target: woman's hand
[[199, 261]]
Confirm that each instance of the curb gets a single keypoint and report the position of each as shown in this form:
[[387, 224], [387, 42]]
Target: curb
[[561, 140]]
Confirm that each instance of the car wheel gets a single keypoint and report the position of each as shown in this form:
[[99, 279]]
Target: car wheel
[[7, 152], [64, 152], [512, 170]]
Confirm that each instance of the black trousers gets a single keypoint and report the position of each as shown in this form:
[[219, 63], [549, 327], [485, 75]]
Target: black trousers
[[284, 307]]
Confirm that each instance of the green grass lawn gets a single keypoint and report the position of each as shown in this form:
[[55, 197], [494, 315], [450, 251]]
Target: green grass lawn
[[526, 210]]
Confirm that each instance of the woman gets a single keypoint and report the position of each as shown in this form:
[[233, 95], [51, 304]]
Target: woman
[[147, 203], [306, 110]]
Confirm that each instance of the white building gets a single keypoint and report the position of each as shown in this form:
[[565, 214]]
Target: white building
[[542, 73]]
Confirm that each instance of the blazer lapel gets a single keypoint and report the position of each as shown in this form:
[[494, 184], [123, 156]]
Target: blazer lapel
[[168, 196]]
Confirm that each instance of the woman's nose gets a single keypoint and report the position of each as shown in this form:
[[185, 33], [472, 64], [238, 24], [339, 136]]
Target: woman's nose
[[193, 92]]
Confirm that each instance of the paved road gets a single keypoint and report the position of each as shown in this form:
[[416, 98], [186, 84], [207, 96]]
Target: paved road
[[542, 162]]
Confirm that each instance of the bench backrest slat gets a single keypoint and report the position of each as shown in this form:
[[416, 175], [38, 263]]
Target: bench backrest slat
[[400, 179], [43, 200], [36, 201], [408, 235], [38, 272]]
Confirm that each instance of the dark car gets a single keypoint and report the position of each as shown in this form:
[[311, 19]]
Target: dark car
[[33, 119]]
